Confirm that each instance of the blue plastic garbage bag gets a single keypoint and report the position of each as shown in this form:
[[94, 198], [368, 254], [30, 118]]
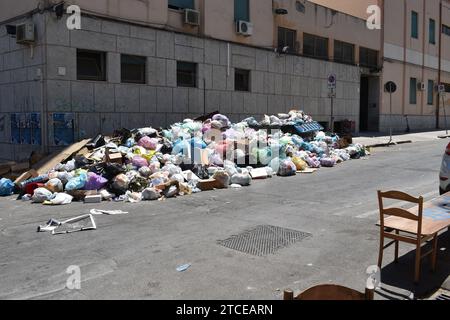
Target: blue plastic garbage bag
[[77, 183], [6, 187], [198, 143]]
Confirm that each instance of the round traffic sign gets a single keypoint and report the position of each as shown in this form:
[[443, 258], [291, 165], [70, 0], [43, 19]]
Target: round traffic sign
[[332, 79], [390, 87]]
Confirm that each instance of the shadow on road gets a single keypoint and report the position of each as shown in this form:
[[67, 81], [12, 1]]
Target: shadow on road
[[401, 275]]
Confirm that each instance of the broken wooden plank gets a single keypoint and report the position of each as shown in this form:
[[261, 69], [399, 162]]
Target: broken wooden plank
[[26, 175], [52, 160]]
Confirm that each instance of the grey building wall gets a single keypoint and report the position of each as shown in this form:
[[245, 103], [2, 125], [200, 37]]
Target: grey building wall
[[20, 86], [278, 83]]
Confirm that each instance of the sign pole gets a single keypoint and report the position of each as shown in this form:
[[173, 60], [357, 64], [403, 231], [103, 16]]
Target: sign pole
[[390, 118], [332, 87], [390, 87], [332, 111], [445, 113]]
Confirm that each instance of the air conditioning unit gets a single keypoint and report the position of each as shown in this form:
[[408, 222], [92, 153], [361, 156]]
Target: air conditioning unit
[[245, 28], [191, 17], [421, 86], [25, 33]]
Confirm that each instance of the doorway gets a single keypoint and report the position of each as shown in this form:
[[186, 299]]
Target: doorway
[[364, 105], [369, 104]]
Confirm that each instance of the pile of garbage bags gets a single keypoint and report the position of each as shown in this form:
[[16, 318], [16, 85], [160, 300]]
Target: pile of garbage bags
[[149, 164]]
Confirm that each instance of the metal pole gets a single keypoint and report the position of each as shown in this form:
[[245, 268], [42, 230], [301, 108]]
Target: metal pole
[[332, 111], [390, 118], [445, 113]]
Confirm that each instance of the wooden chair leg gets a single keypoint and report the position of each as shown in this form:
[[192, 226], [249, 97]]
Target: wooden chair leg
[[417, 267], [396, 246], [288, 294], [380, 255], [434, 254]]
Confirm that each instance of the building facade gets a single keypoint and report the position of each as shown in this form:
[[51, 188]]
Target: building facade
[[152, 63]]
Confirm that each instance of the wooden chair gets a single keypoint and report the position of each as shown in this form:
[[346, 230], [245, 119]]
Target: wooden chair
[[417, 239], [329, 292]]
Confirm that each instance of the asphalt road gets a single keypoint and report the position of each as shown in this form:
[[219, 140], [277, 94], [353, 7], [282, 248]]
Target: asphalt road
[[135, 256]]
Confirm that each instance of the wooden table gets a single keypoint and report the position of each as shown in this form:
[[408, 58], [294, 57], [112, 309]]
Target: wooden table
[[436, 217]]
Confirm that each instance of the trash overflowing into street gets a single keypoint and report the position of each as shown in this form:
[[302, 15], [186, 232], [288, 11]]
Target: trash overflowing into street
[[192, 156]]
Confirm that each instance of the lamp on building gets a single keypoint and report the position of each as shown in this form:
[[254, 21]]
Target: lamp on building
[[281, 11], [59, 9]]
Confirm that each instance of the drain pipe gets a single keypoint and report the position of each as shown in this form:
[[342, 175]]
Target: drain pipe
[[439, 65]]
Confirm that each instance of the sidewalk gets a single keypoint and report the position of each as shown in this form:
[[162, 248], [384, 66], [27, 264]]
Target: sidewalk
[[373, 140]]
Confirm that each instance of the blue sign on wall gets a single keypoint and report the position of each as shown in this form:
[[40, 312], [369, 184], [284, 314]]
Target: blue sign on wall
[[36, 138], [63, 129], [15, 128], [26, 128]]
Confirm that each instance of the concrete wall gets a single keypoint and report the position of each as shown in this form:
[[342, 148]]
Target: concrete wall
[[13, 8], [357, 8], [406, 57], [278, 83], [322, 21], [20, 86]]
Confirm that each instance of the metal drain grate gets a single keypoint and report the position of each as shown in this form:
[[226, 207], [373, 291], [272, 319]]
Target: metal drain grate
[[263, 240]]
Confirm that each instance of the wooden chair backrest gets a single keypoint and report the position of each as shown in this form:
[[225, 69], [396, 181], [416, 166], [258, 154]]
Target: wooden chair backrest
[[329, 292], [399, 212]]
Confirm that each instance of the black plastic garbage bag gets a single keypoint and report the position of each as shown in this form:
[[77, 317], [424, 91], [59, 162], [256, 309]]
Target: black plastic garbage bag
[[107, 170], [201, 172], [82, 162], [123, 134], [167, 147], [97, 142]]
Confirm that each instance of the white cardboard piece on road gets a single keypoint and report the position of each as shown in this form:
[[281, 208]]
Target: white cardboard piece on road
[[93, 199], [259, 173]]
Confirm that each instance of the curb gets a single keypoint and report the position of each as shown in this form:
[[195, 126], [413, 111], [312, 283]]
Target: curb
[[381, 145]]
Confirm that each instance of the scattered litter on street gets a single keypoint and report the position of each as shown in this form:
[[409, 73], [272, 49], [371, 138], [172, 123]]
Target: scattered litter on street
[[183, 268], [107, 212], [81, 223], [192, 156]]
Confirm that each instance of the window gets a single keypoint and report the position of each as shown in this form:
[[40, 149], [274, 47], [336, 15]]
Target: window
[[314, 46], [430, 99], [91, 65], [344, 52], [446, 29], [241, 10], [181, 4], [432, 31], [368, 58], [287, 38], [413, 91], [133, 69], [186, 74], [414, 25], [447, 87], [241, 80]]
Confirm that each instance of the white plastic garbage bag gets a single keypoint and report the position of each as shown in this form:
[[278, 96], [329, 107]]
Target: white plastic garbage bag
[[242, 179], [60, 199], [40, 195], [150, 194]]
